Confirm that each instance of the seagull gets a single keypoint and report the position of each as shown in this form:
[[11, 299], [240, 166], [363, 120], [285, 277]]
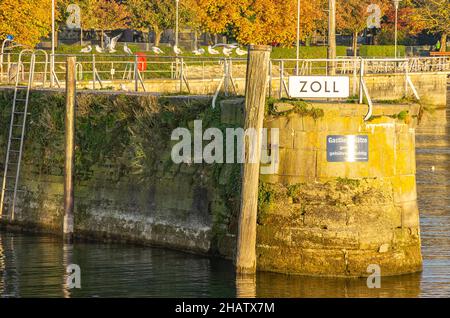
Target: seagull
[[127, 50], [199, 51], [177, 50], [226, 51], [157, 50], [240, 52], [110, 43], [212, 51], [87, 49], [99, 49], [228, 46]]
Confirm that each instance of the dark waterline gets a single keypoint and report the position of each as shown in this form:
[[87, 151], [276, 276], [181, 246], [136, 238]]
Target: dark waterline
[[34, 266]]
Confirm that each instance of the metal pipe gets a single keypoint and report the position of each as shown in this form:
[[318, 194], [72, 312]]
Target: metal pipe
[[298, 35]]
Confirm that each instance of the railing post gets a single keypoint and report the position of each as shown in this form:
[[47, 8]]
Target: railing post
[[361, 79], [93, 71], [406, 77], [281, 79], [270, 78], [136, 86], [226, 76], [355, 76], [181, 74]]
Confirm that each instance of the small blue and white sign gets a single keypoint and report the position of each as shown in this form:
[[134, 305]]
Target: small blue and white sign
[[10, 37], [347, 148]]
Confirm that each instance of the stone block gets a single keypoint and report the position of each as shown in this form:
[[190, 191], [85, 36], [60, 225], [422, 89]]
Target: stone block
[[404, 188]]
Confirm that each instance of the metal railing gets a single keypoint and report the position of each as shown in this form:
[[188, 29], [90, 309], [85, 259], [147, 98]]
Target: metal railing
[[202, 75]]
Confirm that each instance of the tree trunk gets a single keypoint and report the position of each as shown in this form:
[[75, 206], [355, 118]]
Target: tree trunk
[[158, 34], [195, 40], [355, 44], [101, 39], [444, 42]]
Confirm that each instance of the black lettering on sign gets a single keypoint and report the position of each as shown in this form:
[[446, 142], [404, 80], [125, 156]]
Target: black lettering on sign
[[302, 90], [316, 90]]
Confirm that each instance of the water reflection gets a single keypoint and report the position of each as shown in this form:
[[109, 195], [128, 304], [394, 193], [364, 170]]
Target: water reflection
[[275, 285]]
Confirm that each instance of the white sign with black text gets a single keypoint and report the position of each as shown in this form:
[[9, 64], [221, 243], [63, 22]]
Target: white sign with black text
[[319, 86]]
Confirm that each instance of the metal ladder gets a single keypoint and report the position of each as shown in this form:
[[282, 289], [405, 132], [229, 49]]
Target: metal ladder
[[17, 126]]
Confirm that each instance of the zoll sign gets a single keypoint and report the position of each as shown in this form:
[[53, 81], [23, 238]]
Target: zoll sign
[[319, 86]]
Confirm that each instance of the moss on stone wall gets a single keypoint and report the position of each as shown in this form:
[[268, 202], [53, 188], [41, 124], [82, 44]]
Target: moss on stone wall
[[122, 142], [300, 107]]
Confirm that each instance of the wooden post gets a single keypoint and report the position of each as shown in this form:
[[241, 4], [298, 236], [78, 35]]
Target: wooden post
[[255, 98], [69, 148]]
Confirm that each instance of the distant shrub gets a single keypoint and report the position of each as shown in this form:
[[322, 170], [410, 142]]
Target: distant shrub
[[306, 52], [381, 50]]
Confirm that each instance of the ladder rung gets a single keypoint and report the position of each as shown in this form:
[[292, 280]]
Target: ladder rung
[[21, 113], [10, 190], [16, 151], [14, 138], [15, 125]]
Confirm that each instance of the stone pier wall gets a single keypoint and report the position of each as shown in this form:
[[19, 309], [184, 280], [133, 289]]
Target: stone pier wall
[[314, 217], [327, 218]]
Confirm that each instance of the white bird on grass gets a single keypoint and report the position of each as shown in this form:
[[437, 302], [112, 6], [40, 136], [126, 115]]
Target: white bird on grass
[[240, 52], [99, 49], [127, 50], [110, 43], [199, 52], [177, 50], [87, 49], [157, 50], [226, 51], [212, 51]]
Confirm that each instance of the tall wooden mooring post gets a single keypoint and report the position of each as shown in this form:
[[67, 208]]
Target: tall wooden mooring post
[[69, 148], [255, 99]]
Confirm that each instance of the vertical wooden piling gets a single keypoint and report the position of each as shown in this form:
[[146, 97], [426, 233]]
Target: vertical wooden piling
[[69, 148], [255, 98]]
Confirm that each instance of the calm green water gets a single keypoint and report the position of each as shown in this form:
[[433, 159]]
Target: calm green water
[[33, 266]]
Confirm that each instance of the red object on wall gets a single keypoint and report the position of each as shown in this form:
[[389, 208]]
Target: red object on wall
[[141, 61]]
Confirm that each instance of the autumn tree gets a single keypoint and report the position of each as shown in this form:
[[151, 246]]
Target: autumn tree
[[27, 21], [260, 21], [156, 15], [434, 16], [406, 28], [102, 15], [266, 21], [352, 16]]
